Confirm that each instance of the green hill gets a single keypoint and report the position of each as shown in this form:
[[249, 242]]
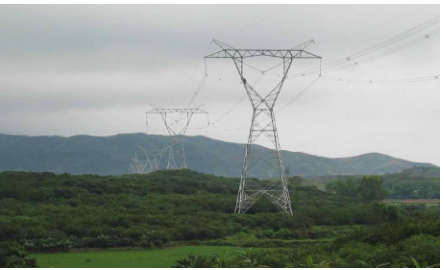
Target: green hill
[[111, 156]]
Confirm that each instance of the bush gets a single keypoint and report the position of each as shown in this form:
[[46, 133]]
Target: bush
[[424, 248], [14, 255]]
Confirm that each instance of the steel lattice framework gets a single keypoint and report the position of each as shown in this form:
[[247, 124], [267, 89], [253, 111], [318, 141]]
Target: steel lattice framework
[[150, 161], [176, 148], [263, 124]]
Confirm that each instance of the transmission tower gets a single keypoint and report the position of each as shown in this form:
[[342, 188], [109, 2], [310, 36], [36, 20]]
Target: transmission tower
[[250, 190], [137, 165], [147, 160], [177, 158], [154, 157]]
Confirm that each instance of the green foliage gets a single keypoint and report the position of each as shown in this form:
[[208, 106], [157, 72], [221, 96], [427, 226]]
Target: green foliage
[[14, 255], [195, 261], [368, 189], [417, 265], [49, 212], [360, 248], [53, 213], [413, 183]]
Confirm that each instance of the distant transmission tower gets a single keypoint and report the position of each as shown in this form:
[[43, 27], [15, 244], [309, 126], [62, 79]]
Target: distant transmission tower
[[147, 160], [137, 164], [154, 157], [177, 158], [251, 190]]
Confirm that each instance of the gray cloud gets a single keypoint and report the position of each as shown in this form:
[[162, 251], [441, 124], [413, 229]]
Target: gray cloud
[[95, 69]]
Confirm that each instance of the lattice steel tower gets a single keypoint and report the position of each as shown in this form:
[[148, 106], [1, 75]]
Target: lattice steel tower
[[263, 124], [177, 158], [152, 160]]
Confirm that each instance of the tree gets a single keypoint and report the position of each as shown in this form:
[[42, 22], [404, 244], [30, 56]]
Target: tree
[[342, 187], [370, 189]]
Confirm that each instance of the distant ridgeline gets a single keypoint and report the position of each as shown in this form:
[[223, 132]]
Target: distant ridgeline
[[112, 155]]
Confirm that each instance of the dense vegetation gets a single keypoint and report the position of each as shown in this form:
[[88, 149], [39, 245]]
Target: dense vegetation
[[112, 155], [46, 212], [413, 183], [401, 244]]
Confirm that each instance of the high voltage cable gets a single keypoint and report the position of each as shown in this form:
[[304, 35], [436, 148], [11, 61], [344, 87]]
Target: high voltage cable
[[229, 110], [385, 43], [299, 95], [373, 57], [407, 44], [286, 105], [367, 81], [414, 30], [348, 61], [199, 88], [399, 37], [411, 80], [391, 21], [318, 73], [390, 51], [388, 42], [232, 108], [235, 104]]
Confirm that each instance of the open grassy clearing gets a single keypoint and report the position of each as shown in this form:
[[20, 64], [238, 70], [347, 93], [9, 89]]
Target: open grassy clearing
[[126, 258], [426, 202]]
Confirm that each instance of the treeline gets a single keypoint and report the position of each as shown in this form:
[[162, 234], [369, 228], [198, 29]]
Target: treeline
[[414, 183]]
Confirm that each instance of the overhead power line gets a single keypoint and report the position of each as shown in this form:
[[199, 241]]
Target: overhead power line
[[290, 102], [392, 20], [388, 52], [411, 80], [352, 59]]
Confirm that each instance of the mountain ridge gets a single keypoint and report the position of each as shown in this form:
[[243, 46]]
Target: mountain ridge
[[110, 155]]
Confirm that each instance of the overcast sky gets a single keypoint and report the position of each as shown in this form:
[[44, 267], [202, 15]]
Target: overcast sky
[[68, 70]]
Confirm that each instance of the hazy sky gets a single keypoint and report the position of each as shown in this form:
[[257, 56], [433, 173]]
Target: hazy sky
[[68, 70]]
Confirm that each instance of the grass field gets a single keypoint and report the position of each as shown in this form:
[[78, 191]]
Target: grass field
[[427, 202], [126, 258]]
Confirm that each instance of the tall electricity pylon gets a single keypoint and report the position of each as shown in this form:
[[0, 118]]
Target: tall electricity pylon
[[176, 148], [251, 190]]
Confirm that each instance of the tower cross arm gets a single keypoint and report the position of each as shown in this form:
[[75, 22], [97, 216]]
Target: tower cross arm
[[247, 53], [303, 45], [172, 110], [231, 52]]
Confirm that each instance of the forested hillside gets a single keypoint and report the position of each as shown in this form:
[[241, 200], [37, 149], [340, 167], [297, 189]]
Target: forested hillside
[[112, 155]]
